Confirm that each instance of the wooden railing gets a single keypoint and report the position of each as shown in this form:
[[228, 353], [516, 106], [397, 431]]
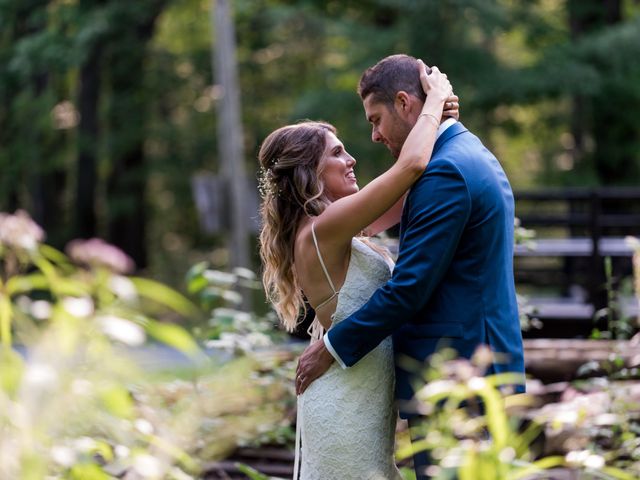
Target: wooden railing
[[576, 229]]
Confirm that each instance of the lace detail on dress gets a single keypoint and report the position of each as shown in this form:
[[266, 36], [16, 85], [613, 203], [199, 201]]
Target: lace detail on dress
[[346, 417]]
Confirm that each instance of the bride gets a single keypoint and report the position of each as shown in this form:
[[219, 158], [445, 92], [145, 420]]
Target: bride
[[313, 245]]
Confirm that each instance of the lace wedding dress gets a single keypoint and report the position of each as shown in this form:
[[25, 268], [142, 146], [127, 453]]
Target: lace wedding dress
[[346, 418]]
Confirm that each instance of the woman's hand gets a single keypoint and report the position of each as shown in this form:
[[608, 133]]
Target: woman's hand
[[435, 84]]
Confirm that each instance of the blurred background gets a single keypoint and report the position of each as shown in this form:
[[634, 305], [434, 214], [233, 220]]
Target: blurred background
[[138, 122], [110, 120]]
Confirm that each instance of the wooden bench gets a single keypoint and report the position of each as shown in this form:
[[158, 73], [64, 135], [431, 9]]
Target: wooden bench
[[576, 229]]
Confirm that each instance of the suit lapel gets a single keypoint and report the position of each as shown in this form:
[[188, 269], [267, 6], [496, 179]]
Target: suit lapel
[[454, 130]]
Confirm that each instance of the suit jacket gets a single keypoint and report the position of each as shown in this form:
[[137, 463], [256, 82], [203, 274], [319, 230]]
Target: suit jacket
[[453, 282]]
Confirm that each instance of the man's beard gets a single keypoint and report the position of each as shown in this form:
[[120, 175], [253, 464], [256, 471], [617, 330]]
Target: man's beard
[[402, 132]]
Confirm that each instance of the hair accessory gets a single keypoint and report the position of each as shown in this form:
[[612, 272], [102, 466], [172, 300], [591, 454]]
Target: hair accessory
[[267, 182]]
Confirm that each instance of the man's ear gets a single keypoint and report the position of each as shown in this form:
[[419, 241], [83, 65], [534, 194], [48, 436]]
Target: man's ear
[[402, 102]]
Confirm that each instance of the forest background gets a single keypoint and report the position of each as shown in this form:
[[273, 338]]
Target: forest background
[[108, 107]]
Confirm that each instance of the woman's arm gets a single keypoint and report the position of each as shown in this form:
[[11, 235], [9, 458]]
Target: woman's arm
[[392, 216], [348, 216], [388, 219]]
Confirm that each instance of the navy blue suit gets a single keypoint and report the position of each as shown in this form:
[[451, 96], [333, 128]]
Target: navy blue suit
[[453, 282]]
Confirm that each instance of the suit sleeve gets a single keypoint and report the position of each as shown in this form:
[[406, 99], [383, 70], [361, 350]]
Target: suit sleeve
[[438, 208]]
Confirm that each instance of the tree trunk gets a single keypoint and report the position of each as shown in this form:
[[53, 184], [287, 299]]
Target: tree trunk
[[88, 133], [46, 178], [230, 137], [126, 183]]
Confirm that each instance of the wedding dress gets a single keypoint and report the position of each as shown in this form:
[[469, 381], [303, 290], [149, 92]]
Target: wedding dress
[[346, 418]]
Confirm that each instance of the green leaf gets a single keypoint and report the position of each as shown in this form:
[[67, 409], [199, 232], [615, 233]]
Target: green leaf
[[197, 284], [11, 369], [33, 466], [537, 466], [27, 283], [174, 336], [196, 271], [496, 417], [469, 468], [252, 473], [54, 255], [88, 471], [117, 400], [210, 296], [103, 449], [617, 473], [6, 314], [164, 295]]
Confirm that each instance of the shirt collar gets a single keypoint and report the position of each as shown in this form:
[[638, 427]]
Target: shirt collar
[[444, 125]]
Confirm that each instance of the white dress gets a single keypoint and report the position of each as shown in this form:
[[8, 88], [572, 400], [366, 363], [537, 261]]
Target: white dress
[[346, 418]]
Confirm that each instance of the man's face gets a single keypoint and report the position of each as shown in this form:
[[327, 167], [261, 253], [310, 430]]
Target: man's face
[[388, 125]]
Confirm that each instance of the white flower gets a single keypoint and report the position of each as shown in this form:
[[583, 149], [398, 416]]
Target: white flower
[[242, 320], [147, 466], [477, 383], [257, 339], [40, 309], [20, 231], [123, 288], [63, 456], [39, 375], [219, 278], [566, 416], [122, 451], [222, 343], [594, 461], [78, 307], [606, 419], [122, 330], [224, 313], [576, 458], [507, 455], [143, 426], [84, 444], [244, 273], [232, 297]]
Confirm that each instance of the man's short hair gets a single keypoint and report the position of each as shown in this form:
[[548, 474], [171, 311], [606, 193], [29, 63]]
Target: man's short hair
[[389, 76]]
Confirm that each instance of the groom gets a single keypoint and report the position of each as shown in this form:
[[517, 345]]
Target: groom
[[453, 282]]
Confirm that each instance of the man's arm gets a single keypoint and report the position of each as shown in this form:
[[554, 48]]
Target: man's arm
[[439, 206]]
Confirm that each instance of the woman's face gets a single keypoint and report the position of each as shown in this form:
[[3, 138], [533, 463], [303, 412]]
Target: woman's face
[[337, 169]]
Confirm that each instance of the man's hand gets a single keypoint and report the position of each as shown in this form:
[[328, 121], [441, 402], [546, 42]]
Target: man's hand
[[313, 362], [451, 108]]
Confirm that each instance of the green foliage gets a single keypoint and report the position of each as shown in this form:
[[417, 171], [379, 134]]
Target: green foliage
[[469, 427], [520, 71], [229, 325], [78, 405], [252, 473]]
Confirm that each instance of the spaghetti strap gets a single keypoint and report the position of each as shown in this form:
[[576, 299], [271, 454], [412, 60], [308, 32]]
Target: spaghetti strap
[[324, 269]]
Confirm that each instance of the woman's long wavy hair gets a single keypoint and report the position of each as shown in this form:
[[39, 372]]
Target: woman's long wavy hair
[[292, 189]]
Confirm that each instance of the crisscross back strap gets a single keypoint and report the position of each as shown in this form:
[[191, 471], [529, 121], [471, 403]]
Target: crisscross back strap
[[324, 269]]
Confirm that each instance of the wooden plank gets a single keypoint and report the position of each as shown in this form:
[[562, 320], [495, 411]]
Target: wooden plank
[[578, 193], [619, 220], [574, 247], [563, 311]]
